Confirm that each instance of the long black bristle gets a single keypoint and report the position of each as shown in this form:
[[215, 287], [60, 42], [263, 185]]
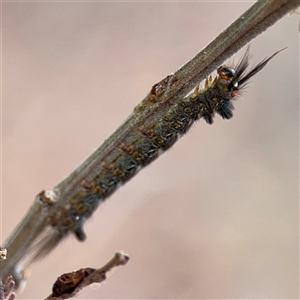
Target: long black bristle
[[243, 65]]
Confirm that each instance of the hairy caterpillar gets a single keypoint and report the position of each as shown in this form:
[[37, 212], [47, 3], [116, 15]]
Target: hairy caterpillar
[[145, 144]]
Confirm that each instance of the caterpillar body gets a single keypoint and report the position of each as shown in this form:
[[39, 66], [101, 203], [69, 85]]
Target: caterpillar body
[[145, 144]]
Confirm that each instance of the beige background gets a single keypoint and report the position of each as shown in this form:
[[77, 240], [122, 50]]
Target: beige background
[[215, 217]]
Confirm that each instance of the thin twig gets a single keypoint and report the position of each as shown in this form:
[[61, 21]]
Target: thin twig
[[163, 96], [69, 284]]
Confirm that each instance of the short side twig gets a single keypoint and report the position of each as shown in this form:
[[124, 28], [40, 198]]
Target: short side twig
[[69, 284]]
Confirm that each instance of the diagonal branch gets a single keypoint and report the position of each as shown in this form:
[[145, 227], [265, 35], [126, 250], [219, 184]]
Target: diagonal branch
[[163, 96]]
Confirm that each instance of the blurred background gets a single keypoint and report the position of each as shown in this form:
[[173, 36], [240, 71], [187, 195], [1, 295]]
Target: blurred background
[[217, 215]]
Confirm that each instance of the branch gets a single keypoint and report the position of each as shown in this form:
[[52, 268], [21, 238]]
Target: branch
[[162, 97], [68, 285]]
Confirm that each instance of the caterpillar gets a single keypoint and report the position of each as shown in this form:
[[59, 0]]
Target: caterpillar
[[145, 144]]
